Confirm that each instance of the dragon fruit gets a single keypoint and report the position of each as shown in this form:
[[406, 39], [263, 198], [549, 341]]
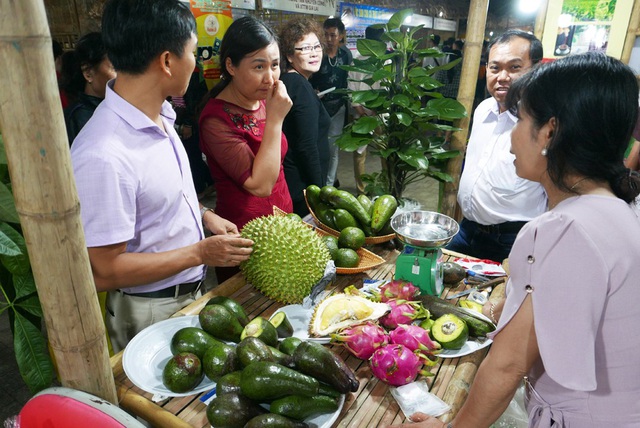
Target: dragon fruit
[[362, 340], [403, 312], [395, 364], [398, 289], [414, 337]]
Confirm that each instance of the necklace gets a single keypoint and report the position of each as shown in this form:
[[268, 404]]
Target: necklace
[[330, 63], [577, 183]]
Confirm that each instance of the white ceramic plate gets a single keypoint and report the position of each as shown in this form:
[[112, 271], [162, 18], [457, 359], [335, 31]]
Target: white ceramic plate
[[326, 420], [146, 355], [472, 345], [300, 317]]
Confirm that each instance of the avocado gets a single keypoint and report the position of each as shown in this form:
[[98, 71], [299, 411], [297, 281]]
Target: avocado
[[232, 410], [450, 331], [282, 324], [452, 273], [262, 329], [234, 307], [289, 345], [229, 383], [192, 339], [300, 408], [271, 420], [220, 323], [220, 360], [251, 349], [182, 373]]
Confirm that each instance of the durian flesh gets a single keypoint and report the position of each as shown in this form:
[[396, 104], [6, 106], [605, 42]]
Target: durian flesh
[[340, 311], [288, 258]]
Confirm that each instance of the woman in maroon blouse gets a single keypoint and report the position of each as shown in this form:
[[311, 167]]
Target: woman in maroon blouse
[[241, 127]]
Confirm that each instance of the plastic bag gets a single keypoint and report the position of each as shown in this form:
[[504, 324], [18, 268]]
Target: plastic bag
[[515, 415], [415, 397]]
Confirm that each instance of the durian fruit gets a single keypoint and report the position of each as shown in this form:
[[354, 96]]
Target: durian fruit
[[288, 258], [341, 310]]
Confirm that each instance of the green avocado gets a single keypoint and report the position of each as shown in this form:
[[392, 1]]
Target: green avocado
[[192, 339], [450, 331], [182, 373]]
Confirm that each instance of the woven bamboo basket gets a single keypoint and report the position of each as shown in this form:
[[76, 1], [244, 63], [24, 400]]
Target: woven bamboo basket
[[369, 240], [368, 260]]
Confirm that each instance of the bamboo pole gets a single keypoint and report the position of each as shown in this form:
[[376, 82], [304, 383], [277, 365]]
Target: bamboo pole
[[632, 32], [46, 199], [466, 94], [541, 19]]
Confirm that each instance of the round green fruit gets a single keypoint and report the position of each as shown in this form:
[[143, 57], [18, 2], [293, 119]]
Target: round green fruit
[[347, 258], [332, 244], [351, 237]]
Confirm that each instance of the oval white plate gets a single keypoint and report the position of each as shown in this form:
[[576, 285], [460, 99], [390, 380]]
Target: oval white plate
[[146, 355], [471, 346], [300, 317]]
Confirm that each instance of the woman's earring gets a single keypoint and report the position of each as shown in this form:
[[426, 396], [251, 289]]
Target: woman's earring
[[544, 152]]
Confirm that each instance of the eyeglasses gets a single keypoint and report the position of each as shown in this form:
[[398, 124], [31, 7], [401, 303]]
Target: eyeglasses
[[308, 48]]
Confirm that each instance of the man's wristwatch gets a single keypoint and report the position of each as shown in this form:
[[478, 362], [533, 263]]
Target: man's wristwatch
[[203, 211]]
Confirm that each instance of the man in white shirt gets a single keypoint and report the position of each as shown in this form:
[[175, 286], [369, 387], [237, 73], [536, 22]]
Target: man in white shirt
[[495, 202]]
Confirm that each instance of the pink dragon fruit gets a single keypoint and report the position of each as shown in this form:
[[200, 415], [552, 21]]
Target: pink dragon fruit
[[403, 312], [414, 337], [398, 289], [395, 365], [362, 340]]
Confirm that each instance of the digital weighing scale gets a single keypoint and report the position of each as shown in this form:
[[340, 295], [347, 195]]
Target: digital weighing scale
[[423, 233]]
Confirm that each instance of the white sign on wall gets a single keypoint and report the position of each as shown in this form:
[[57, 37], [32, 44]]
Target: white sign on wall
[[315, 7], [444, 24]]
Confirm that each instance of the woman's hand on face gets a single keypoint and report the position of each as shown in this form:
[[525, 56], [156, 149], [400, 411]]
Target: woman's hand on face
[[278, 102], [420, 420]]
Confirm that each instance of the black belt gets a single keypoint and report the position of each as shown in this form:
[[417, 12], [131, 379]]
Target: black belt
[[506, 227], [175, 291]]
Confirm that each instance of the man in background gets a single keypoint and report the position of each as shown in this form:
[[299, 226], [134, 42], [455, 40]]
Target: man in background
[[330, 76], [495, 202]]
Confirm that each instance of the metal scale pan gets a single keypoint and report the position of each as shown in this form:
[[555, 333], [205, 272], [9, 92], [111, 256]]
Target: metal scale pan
[[423, 233]]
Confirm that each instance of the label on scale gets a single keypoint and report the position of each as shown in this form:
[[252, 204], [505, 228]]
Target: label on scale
[[415, 269]]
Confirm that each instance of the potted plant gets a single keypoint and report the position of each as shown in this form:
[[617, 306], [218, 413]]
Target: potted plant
[[19, 294], [404, 130]]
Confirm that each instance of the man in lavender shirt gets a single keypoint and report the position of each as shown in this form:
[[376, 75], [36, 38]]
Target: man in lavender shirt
[[142, 219]]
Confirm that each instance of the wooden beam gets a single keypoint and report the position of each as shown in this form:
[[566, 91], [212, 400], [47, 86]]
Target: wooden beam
[[44, 190], [466, 95], [632, 32]]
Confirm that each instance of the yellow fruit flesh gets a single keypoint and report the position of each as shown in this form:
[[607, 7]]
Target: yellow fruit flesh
[[344, 309]]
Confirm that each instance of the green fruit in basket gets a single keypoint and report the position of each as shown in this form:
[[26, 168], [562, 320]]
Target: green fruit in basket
[[332, 244], [312, 194], [343, 219], [383, 209], [345, 200], [325, 215], [347, 258], [366, 203], [351, 237], [326, 192], [182, 373], [288, 258]]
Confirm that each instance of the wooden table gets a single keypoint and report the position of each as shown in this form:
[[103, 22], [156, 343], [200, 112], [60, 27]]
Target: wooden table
[[371, 406]]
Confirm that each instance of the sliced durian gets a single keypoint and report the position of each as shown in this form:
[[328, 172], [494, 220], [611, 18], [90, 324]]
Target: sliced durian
[[343, 310]]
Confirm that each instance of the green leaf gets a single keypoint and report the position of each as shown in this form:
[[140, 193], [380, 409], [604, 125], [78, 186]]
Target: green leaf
[[17, 264], [369, 48], [3, 154], [404, 118], [24, 285], [8, 211], [446, 155], [441, 176], [398, 18], [360, 97], [8, 247], [401, 100], [365, 124], [350, 143], [395, 37], [30, 304], [32, 354], [382, 73], [446, 108]]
